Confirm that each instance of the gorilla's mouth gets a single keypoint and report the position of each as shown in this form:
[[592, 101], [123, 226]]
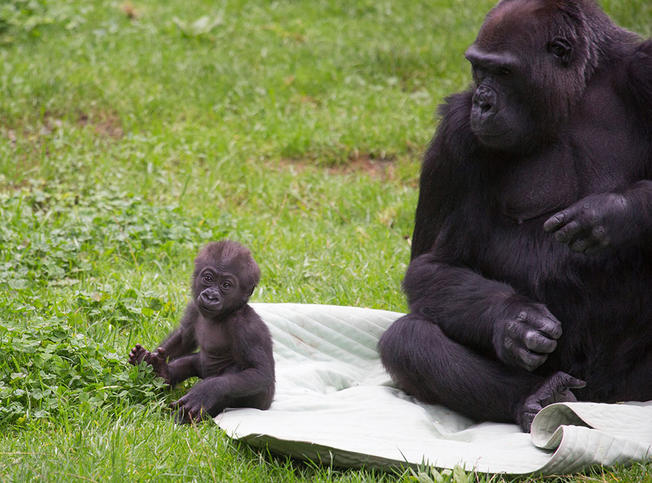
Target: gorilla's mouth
[[488, 133], [209, 304], [492, 138]]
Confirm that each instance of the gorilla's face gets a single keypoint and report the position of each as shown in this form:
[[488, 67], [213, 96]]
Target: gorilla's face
[[224, 278], [500, 116], [526, 76]]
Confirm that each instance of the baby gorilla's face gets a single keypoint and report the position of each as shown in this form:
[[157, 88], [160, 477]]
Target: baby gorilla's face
[[224, 278], [218, 290]]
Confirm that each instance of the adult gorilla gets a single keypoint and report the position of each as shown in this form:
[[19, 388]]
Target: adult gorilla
[[535, 218]]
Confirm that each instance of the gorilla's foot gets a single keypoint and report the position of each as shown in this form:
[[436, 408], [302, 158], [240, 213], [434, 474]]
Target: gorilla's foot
[[557, 388]]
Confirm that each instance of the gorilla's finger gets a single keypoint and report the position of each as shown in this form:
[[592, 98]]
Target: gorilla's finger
[[568, 232], [582, 244], [565, 381], [529, 360], [556, 221], [537, 342], [544, 322]]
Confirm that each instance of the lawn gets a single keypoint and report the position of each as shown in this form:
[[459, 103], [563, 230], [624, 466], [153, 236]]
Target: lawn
[[133, 132]]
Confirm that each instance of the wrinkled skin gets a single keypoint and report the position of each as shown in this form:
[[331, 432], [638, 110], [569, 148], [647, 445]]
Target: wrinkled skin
[[235, 357], [531, 266]]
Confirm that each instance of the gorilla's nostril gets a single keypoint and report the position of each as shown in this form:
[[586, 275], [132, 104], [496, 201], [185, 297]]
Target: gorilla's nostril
[[485, 106], [210, 296], [484, 98]]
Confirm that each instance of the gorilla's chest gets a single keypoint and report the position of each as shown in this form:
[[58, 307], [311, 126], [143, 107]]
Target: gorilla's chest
[[215, 344], [537, 186]]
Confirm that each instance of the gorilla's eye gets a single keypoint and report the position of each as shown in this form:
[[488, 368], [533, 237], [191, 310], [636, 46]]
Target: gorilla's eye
[[504, 71], [227, 284], [208, 277], [560, 48]]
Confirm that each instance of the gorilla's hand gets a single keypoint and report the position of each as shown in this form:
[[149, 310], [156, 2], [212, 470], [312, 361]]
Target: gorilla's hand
[[198, 402], [525, 333], [594, 222]]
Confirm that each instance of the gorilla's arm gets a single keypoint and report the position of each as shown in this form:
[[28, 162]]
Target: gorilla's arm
[[181, 341], [620, 218], [177, 347], [623, 218], [637, 82], [480, 313], [444, 178], [251, 379], [476, 312]]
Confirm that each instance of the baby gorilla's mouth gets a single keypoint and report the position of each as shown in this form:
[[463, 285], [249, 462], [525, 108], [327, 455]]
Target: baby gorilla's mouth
[[209, 302]]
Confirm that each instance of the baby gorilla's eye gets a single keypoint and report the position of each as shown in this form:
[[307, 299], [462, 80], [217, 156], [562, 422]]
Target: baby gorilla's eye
[[208, 278], [227, 284]]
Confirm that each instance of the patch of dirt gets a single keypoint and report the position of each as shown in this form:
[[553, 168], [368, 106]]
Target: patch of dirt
[[105, 124], [377, 166], [130, 10]]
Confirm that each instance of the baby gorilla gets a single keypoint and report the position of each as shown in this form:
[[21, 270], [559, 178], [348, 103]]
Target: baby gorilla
[[235, 357]]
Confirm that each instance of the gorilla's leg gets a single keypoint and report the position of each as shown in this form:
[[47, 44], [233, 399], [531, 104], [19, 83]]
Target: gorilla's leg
[[425, 363]]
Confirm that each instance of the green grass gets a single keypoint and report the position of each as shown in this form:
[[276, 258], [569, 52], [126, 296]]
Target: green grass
[[130, 137]]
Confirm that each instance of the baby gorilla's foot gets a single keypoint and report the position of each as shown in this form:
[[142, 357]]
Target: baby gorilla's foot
[[557, 388], [158, 361], [138, 354]]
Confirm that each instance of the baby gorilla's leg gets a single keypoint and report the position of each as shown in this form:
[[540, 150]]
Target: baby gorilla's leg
[[156, 359], [137, 354]]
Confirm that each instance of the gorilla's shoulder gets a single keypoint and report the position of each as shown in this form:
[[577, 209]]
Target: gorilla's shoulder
[[456, 107], [639, 69], [454, 126]]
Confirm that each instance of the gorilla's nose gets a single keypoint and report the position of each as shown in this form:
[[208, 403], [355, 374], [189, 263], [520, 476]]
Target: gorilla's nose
[[484, 98], [210, 295]]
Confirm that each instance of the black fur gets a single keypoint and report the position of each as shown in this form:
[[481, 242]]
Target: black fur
[[531, 273], [235, 357]]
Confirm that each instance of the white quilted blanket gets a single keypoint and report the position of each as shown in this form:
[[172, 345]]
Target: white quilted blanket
[[336, 405]]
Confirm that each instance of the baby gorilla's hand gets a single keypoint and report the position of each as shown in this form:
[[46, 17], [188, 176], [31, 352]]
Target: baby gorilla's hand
[[204, 400], [189, 410], [158, 361], [195, 405]]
